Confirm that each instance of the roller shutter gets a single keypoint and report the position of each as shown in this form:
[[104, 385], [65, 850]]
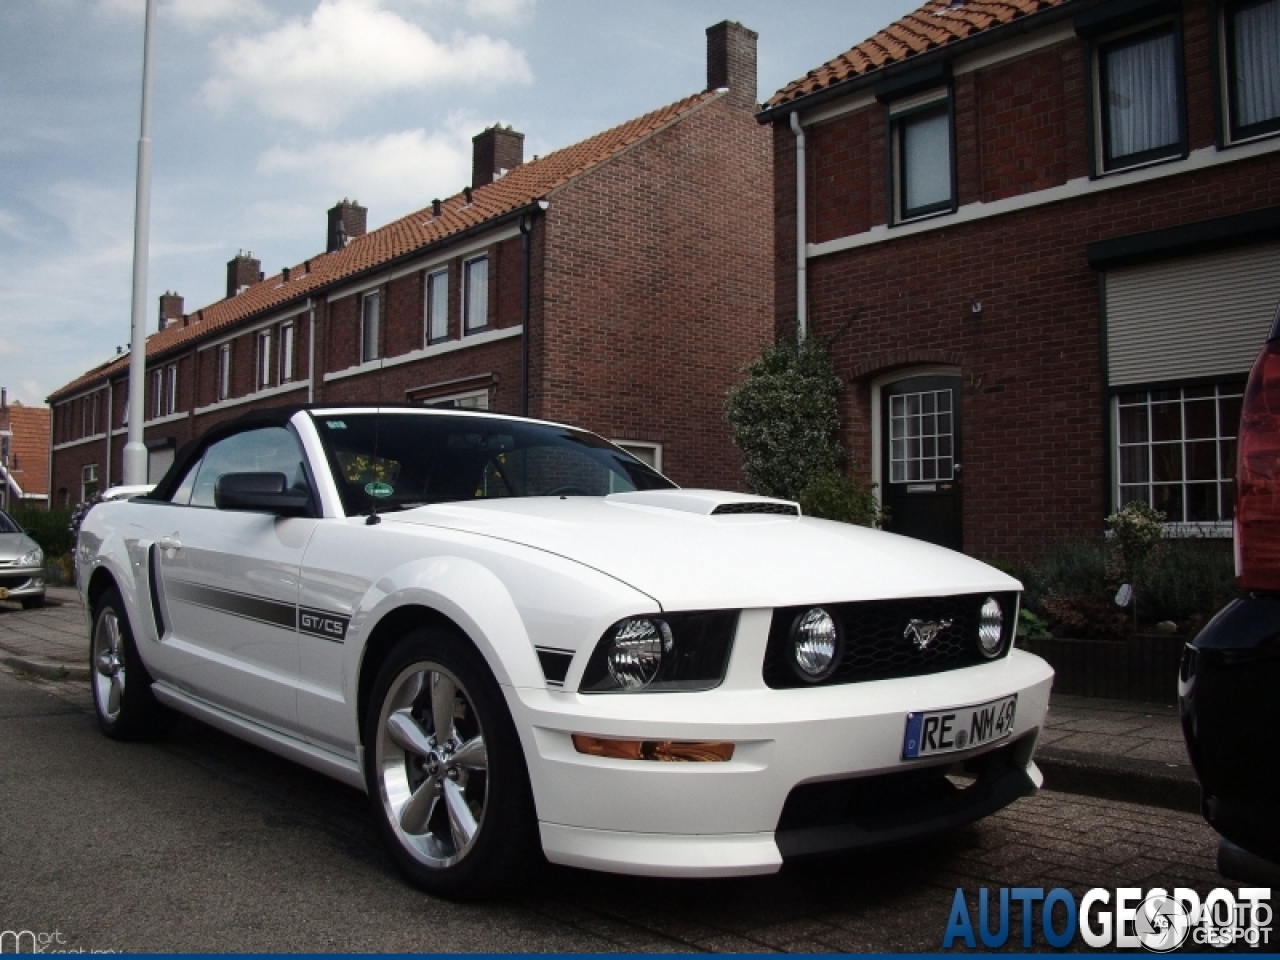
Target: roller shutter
[[1199, 316]]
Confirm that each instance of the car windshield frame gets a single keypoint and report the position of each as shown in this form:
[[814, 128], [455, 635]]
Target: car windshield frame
[[399, 459]]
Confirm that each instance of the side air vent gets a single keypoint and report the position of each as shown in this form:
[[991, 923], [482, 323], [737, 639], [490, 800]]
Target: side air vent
[[783, 509]]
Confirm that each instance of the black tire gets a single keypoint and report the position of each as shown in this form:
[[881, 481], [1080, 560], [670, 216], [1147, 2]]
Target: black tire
[[131, 712], [408, 770], [33, 603]]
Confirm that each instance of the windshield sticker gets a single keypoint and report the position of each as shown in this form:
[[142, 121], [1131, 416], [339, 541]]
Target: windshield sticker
[[335, 424], [377, 489]]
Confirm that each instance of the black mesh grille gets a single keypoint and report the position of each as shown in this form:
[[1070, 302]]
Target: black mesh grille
[[878, 644], [784, 509], [12, 581]]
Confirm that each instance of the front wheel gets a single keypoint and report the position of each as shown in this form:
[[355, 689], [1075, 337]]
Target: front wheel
[[125, 706], [445, 770]]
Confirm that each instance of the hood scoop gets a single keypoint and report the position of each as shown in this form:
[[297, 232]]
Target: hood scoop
[[707, 503]]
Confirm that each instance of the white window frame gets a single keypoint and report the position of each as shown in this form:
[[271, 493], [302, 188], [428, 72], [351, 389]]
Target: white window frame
[[370, 323], [1120, 495], [223, 385], [264, 358], [464, 400], [632, 446], [287, 333], [157, 393], [468, 304], [938, 100], [435, 277], [170, 388], [88, 475]]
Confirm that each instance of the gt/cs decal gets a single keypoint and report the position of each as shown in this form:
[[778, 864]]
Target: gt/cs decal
[[320, 624]]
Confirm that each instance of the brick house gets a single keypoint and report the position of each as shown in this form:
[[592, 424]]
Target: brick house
[[619, 284], [1053, 227], [24, 454]]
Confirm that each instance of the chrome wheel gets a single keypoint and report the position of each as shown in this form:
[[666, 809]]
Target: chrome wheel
[[108, 665], [432, 764]]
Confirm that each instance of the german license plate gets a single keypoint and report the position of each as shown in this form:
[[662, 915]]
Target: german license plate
[[4, 593], [947, 731]]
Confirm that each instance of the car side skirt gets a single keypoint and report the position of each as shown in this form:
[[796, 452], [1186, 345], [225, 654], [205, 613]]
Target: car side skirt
[[345, 769]]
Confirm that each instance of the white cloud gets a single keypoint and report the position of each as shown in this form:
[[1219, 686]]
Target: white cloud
[[390, 174], [347, 53]]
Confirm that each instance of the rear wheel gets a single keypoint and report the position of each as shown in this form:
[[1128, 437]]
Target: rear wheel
[[445, 770], [125, 706]]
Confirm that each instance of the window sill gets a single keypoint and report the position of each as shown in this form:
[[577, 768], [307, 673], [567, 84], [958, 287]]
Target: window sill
[[449, 346]]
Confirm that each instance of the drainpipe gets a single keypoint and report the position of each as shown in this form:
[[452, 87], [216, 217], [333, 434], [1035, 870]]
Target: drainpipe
[[525, 228], [106, 484], [311, 353], [801, 258]]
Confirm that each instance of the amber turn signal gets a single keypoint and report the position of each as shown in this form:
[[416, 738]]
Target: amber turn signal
[[662, 751]]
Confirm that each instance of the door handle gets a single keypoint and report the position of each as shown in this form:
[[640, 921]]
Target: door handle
[[169, 543]]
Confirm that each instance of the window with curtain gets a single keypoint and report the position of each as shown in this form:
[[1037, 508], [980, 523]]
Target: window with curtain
[[369, 327], [923, 181], [224, 371], [438, 306], [264, 359], [1252, 42], [171, 388], [286, 352], [1140, 98], [476, 310]]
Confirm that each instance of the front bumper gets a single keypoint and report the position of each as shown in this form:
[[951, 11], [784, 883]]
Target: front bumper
[[1227, 691], [19, 582], [746, 815]]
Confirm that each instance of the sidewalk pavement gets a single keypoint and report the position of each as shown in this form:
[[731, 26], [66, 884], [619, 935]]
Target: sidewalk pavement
[[1104, 748]]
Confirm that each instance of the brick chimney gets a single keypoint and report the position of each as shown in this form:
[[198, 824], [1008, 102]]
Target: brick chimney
[[493, 152], [731, 62], [170, 309], [242, 271], [347, 220]]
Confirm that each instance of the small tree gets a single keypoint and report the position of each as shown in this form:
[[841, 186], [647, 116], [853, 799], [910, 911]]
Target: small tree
[[785, 420]]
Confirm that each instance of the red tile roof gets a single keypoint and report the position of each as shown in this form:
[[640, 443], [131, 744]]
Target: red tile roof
[[29, 447], [527, 183], [936, 24]]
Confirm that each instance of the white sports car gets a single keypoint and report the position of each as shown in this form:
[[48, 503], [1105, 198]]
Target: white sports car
[[515, 637]]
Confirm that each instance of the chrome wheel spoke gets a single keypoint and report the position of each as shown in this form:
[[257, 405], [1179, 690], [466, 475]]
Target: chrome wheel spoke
[[462, 822], [116, 691], [416, 813], [444, 695], [473, 754], [113, 636], [105, 663], [407, 734]]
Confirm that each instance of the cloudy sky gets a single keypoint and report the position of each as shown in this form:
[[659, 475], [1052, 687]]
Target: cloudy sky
[[267, 112]]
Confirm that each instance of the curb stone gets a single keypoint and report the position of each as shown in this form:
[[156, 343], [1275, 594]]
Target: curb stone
[[48, 669], [1119, 778]]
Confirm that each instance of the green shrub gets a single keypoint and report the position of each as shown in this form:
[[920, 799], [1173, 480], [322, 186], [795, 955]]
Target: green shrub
[[1188, 580], [49, 528], [834, 496]]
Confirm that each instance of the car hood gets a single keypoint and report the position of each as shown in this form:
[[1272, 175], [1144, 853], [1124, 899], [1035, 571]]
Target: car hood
[[669, 545], [14, 545]]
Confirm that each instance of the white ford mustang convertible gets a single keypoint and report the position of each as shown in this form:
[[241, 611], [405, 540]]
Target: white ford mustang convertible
[[517, 638]]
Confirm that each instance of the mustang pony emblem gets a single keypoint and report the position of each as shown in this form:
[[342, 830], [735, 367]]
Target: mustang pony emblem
[[924, 632]]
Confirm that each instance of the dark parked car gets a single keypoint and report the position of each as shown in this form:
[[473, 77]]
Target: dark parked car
[[1230, 678]]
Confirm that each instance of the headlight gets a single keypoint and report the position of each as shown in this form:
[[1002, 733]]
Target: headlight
[[679, 651], [816, 645], [32, 559], [991, 627]]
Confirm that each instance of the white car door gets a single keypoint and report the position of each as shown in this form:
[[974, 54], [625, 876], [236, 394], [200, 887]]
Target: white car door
[[228, 581]]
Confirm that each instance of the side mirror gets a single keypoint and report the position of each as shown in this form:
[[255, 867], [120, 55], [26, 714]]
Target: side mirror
[[261, 492]]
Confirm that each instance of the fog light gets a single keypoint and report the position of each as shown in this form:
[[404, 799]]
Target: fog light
[[661, 751], [636, 652], [990, 627], [816, 645]]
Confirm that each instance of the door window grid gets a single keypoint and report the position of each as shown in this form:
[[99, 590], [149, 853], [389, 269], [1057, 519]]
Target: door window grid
[[921, 435], [1177, 451]]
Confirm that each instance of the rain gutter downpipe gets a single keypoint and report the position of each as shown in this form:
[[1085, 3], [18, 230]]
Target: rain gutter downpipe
[[525, 227], [801, 252]]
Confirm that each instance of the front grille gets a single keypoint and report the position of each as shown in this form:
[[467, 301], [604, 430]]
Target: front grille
[[783, 509], [13, 582], [876, 641]]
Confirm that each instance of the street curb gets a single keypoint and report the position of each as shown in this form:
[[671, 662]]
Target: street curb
[[1120, 778], [49, 669]]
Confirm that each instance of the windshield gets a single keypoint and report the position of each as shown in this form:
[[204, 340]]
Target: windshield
[[7, 525], [405, 460]]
